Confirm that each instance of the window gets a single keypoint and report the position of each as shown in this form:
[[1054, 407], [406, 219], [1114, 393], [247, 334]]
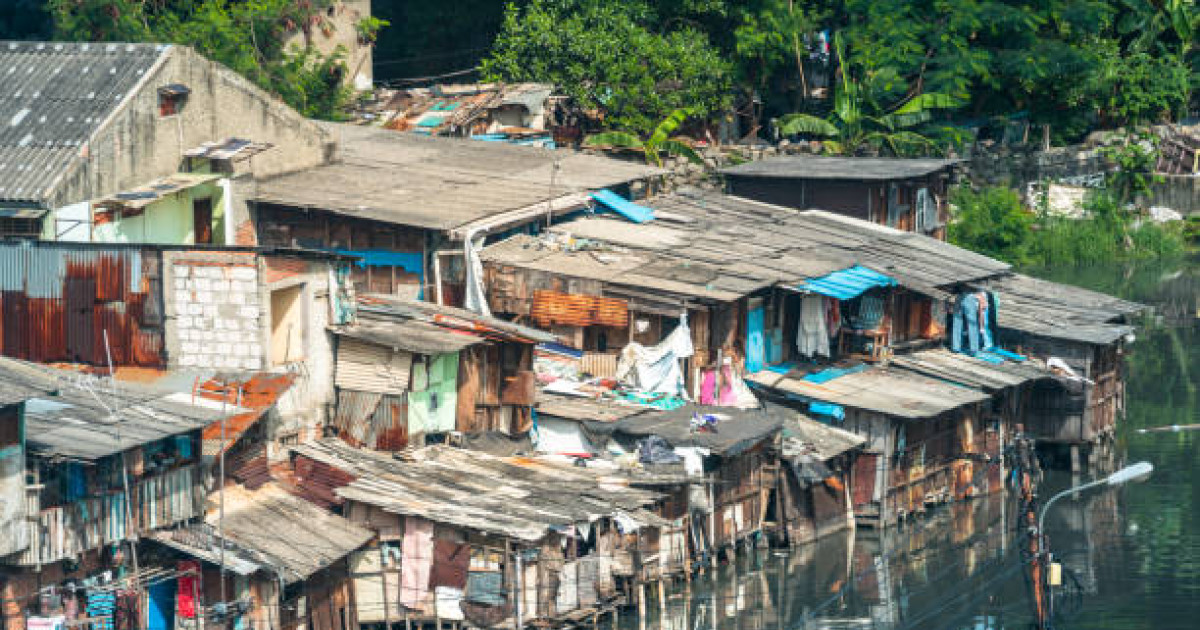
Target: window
[[171, 99], [20, 228]]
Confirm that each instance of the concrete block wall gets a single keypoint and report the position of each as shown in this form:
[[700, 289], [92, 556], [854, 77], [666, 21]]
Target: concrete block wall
[[216, 312]]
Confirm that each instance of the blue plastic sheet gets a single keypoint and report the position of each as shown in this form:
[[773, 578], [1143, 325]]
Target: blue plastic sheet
[[623, 207], [827, 409], [847, 283], [824, 376]]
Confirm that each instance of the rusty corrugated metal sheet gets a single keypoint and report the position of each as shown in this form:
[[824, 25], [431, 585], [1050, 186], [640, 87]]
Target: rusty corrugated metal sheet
[[258, 393], [369, 367], [317, 481], [552, 307], [60, 301], [353, 417]]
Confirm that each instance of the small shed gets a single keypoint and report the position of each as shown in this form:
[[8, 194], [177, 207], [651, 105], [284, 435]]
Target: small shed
[[908, 194]]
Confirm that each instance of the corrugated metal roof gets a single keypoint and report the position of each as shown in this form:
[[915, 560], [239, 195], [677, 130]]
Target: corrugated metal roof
[[722, 248], [440, 183], [848, 168], [847, 283], [55, 96], [371, 367], [86, 417], [409, 335], [514, 497], [804, 436], [450, 318], [145, 195], [736, 429], [1061, 311], [270, 529], [972, 371], [892, 391]]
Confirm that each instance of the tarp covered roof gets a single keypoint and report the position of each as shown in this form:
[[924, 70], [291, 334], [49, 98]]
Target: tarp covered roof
[[847, 283], [737, 429]]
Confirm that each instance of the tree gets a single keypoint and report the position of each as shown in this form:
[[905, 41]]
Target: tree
[[245, 35], [610, 60], [658, 142], [858, 122]]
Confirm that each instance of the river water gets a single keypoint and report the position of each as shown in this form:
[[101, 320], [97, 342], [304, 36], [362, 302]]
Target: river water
[[1131, 555]]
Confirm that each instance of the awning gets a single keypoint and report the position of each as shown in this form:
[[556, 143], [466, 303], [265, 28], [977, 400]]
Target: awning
[[623, 207], [847, 283], [159, 188]]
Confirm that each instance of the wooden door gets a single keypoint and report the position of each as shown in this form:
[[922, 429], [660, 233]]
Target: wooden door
[[202, 216]]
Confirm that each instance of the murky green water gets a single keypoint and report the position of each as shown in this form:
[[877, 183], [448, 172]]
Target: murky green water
[[1132, 555]]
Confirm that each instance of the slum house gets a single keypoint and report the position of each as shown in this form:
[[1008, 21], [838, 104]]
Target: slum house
[[760, 285], [14, 530], [1080, 335], [495, 112], [729, 460], [154, 309], [137, 143], [407, 370], [812, 498], [405, 204], [466, 536], [907, 194], [106, 462], [833, 296], [275, 560]]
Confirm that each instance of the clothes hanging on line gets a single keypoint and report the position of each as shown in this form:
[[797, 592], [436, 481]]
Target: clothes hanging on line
[[812, 332]]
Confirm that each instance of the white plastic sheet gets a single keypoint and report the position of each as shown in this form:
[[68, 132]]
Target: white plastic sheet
[[656, 368]]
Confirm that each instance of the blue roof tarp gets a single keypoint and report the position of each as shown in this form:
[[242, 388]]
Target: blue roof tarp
[[623, 207], [847, 283]]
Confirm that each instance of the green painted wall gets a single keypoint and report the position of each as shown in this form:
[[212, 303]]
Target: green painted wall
[[168, 220]]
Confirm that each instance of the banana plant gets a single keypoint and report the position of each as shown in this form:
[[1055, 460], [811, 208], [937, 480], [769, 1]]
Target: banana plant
[[660, 141], [856, 123]]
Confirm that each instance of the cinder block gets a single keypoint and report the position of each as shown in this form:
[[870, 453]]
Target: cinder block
[[248, 311], [195, 309], [181, 271], [187, 360], [244, 273]]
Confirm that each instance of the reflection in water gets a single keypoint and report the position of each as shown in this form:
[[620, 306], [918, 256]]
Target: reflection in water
[[1131, 556]]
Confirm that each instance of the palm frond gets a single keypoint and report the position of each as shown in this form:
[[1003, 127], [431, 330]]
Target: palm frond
[[678, 147], [792, 124], [668, 126], [616, 139]]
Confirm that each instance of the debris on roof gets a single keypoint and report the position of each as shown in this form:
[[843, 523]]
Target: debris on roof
[[970, 371], [442, 183], [515, 497], [236, 149], [271, 530], [145, 195]]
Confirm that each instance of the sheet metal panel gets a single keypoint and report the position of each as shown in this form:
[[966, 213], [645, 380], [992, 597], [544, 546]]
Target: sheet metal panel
[[368, 367]]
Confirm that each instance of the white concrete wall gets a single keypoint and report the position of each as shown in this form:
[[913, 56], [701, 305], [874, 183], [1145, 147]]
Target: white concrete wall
[[215, 314]]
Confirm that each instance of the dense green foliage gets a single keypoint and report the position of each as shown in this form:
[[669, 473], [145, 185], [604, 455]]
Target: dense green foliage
[[660, 141], [246, 35], [994, 222], [1073, 64], [608, 57]]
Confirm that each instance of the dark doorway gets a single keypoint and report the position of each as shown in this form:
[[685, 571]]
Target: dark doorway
[[202, 215]]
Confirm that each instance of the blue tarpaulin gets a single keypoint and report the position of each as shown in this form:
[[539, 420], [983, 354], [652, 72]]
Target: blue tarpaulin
[[826, 375], [847, 283], [623, 207], [827, 409]]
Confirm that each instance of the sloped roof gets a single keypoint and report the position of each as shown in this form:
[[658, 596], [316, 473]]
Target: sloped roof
[[804, 436], [709, 245], [56, 96], [844, 168], [891, 391], [516, 497], [270, 529], [1060, 311], [87, 417], [972, 371], [737, 429], [440, 183]]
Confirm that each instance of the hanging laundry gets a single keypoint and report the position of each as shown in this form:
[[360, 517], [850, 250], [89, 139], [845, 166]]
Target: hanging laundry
[[189, 587], [966, 319], [657, 369], [833, 316], [984, 322], [417, 561], [101, 605], [812, 333]]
